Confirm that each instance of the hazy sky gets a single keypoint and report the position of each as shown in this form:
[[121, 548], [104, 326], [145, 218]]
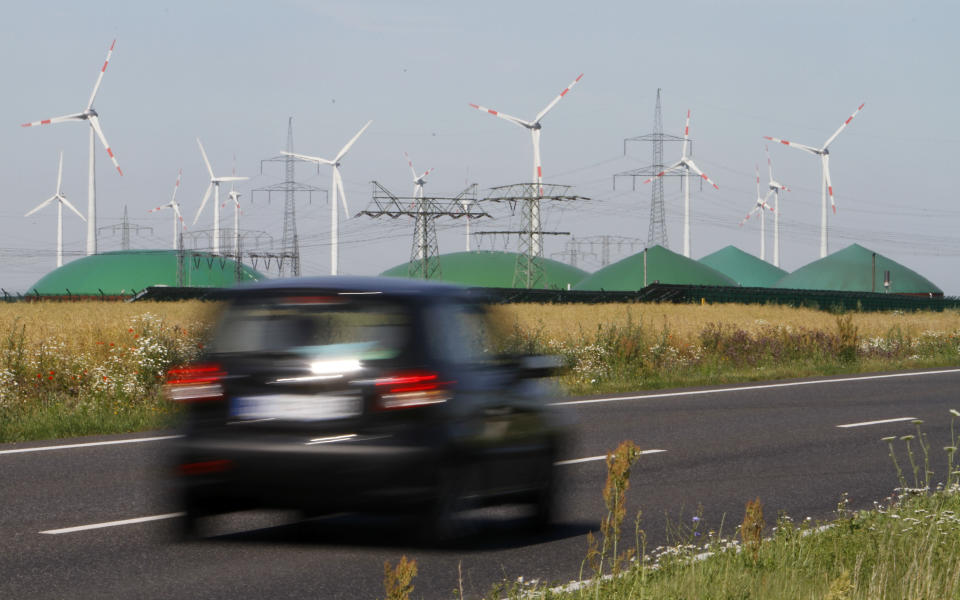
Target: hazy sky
[[233, 72]]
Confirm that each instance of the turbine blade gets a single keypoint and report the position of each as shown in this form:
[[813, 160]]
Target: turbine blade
[[95, 123], [73, 117], [766, 148], [203, 203], [41, 205], [206, 161], [343, 195], [103, 69], [345, 149], [64, 200], [669, 169], [842, 127], [223, 179], [749, 214], [544, 112], [425, 173], [167, 205], [410, 162], [315, 159], [693, 167], [176, 187], [60, 172], [826, 175], [506, 117], [810, 149]]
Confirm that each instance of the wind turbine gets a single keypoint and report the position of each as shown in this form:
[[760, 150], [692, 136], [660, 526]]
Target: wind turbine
[[61, 200], [686, 164], [90, 115], [760, 205], [420, 227], [774, 188], [418, 180], [826, 187], [336, 188], [534, 127], [177, 215], [214, 184]]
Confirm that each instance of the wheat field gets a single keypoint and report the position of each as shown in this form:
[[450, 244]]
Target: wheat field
[[686, 321]]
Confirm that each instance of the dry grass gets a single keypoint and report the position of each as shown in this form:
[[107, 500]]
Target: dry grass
[[81, 325], [686, 321]]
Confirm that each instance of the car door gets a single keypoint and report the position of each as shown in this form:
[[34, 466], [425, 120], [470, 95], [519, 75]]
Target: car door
[[505, 428]]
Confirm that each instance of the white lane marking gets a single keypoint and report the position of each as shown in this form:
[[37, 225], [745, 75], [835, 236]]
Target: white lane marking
[[84, 445], [112, 523], [753, 387], [575, 461], [180, 514], [866, 423]]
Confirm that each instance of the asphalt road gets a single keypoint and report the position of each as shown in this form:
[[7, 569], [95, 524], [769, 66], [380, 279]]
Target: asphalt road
[[782, 442]]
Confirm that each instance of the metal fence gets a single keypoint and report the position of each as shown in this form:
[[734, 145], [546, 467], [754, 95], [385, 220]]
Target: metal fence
[[658, 292]]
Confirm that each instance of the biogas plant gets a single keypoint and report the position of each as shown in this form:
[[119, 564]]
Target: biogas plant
[[224, 254]]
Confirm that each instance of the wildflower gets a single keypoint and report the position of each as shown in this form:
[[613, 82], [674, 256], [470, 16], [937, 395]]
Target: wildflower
[[695, 519], [954, 412], [130, 330], [917, 421], [906, 438], [889, 438]]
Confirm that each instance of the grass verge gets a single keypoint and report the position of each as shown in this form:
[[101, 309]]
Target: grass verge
[[80, 368]]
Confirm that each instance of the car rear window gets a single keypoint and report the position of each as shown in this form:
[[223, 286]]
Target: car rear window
[[366, 329]]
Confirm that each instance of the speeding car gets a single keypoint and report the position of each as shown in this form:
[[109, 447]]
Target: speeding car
[[363, 394]]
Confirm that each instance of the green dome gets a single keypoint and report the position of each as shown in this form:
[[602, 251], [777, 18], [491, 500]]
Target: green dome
[[662, 266], [746, 269], [852, 270], [116, 273], [493, 269]]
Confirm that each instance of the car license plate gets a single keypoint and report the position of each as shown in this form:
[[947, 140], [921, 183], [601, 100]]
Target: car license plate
[[295, 407]]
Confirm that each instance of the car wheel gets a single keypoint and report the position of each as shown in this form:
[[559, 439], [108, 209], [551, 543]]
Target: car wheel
[[188, 526], [544, 500], [443, 522]]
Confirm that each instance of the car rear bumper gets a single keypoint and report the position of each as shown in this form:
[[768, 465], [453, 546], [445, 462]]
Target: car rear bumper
[[369, 473]]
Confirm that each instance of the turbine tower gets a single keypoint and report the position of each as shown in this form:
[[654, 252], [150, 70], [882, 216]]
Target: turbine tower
[[215, 185], [825, 186], [177, 215], [89, 115], [774, 188], [760, 205], [534, 127], [61, 201], [686, 165], [336, 189], [235, 196]]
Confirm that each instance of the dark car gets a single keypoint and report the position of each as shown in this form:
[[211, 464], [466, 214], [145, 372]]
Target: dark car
[[362, 394]]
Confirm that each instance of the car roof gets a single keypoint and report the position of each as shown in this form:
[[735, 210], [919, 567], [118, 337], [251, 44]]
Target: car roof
[[394, 286]]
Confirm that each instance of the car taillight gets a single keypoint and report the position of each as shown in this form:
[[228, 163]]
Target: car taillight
[[195, 383], [411, 389]]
